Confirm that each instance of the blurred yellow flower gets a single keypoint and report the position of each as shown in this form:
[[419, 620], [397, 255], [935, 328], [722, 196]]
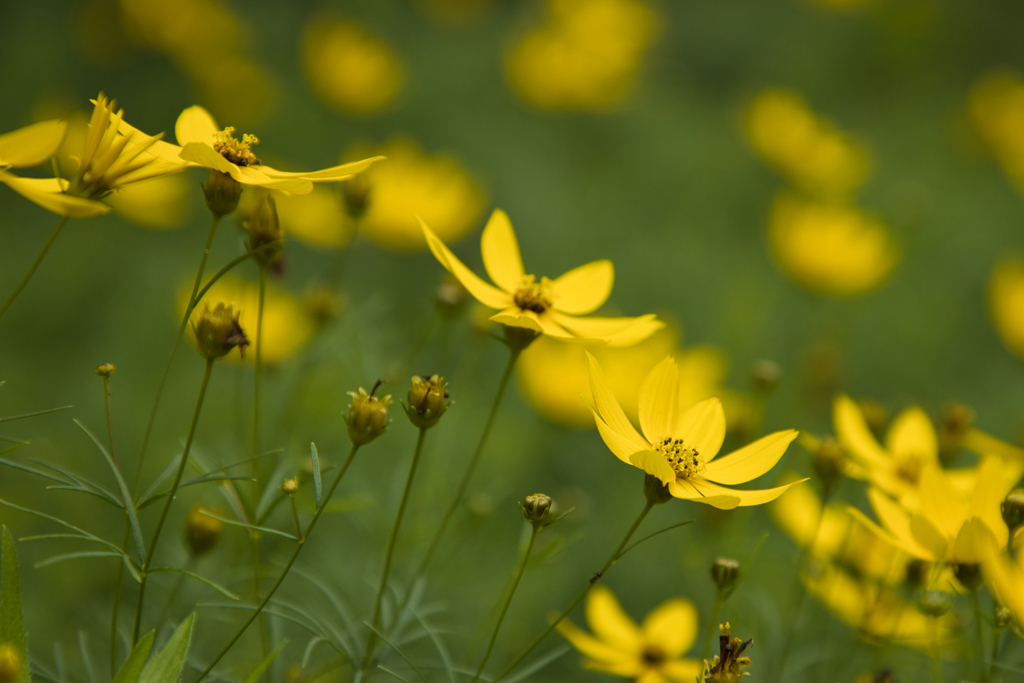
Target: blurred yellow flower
[[350, 69], [1006, 302], [679, 447], [811, 154], [31, 145], [287, 323], [554, 375], [997, 109], [1004, 577], [436, 188], [159, 204], [547, 307], [585, 55], [317, 218], [830, 248], [651, 652]]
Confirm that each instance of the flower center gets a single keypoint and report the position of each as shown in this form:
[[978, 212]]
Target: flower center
[[908, 468], [533, 296], [685, 460], [237, 151], [653, 656]]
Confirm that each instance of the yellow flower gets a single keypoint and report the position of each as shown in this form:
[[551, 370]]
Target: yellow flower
[[1004, 577], [553, 375], [679, 447], [348, 68], [287, 324], [31, 145], [997, 108], [204, 144], [830, 248], [586, 55], [650, 653], [1006, 302], [547, 307], [316, 218], [805, 148], [158, 204], [434, 187]]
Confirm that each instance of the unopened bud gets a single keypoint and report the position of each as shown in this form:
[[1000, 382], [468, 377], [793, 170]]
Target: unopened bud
[[536, 509], [450, 295], [10, 663], [765, 374], [1012, 508], [724, 572], [1003, 617], [656, 492], [290, 486], [426, 400], [367, 415], [264, 227], [201, 530], [106, 370], [518, 338], [217, 332], [827, 461], [933, 604], [222, 193]]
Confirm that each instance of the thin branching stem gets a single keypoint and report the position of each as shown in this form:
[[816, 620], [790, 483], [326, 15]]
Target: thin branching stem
[[35, 264], [257, 401]]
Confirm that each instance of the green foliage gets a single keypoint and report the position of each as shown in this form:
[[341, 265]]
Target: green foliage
[[167, 664], [11, 628]]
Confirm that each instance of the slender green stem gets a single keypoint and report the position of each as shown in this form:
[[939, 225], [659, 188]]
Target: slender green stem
[[280, 579], [520, 570], [258, 391], [712, 625], [935, 652], [295, 515], [170, 499], [612, 559], [110, 423], [124, 541], [979, 634], [35, 264], [371, 641]]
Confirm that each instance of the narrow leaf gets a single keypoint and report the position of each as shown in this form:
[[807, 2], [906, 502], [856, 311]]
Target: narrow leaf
[[74, 556], [11, 629], [397, 650], [9, 418], [392, 673], [216, 586], [255, 674], [538, 664], [250, 526], [166, 665], [83, 652], [316, 472], [132, 667], [192, 482], [31, 470]]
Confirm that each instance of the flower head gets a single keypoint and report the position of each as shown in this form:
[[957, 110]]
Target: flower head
[[367, 415], [201, 530], [427, 400], [728, 665], [651, 652], [542, 306], [218, 331], [679, 447]]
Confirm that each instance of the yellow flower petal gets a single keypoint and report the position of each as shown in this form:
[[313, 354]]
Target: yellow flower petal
[[259, 175], [685, 490], [990, 489], [609, 622], [620, 444], [972, 542], [659, 401], [653, 463], [703, 427], [911, 434], [332, 174], [584, 289], [853, 433], [48, 193], [486, 294], [672, 626], [32, 145], [651, 676], [895, 524], [683, 670], [746, 498], [501, 252], [752, 460], [621, 331], [587, 644], [940, 502], [204, 155], [610, 410], [195, 124]]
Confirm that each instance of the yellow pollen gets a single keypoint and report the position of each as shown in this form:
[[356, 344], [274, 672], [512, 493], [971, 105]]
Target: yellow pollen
[[685, 460], [533, 296], [235, 151]]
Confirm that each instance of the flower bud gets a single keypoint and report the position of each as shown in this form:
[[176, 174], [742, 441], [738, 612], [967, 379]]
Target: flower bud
[[222, 193], [201, 531], [367, 415], [724, 572], [518, 338], [290, 486], [656, 492], [264, 227], [933, 604], [450, 295], [1012, 508], [765, 374], [827, 462], [1003, 617], [536, 509], [10, 663], [217, 332], [426, 401], [106, 370]]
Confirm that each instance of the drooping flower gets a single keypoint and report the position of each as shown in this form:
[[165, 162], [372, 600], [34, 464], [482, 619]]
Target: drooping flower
[[651, 652], [548, 307], [679, 447]]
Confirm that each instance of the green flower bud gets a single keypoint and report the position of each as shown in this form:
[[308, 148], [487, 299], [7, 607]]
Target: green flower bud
[[536, 509], [217, 332], [290, 486], [106, 370], [766, 375], [724, 572], [1012, 508], [656, 492], [222, 193], [426, 401], [1003, 617], [367, 415], [933, 604], [450, 295], [10, 663], [264, 227], [201, 531]]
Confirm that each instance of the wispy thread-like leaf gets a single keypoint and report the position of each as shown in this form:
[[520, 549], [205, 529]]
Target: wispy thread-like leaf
[[317, 485], [212, 584], [11, 418], [235, 522], [255, 674], [438, 645], [398, 651], [74, 556], [538, 664]]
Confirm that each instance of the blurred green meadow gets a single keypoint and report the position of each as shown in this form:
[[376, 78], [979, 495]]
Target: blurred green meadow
[[663, 180]]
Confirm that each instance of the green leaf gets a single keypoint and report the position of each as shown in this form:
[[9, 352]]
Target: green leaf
[[132, 667], [250, 526], [255, 674], [32, 470], [74, 556], [538, 664], [216, 586], [316, 472], [397, 650], [11, 629], [166, 665], [9, 418]]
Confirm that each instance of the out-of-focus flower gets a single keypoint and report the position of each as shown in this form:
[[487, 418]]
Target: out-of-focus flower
[[679, 447], [315, 218], [435, 188], [287, 323], [997, 109], [159, 204], [31, 145], [830, 248], [349, 68], [1006, 302], [554, 375], [547, 307], [585, 55], [811, 154], [1004, 577], [651, 652]]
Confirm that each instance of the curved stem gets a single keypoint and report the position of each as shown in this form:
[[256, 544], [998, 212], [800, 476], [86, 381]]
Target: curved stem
[[520, 570], [280, 579], [371, 642], [612, 559], [35, 264], [170, 499]]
